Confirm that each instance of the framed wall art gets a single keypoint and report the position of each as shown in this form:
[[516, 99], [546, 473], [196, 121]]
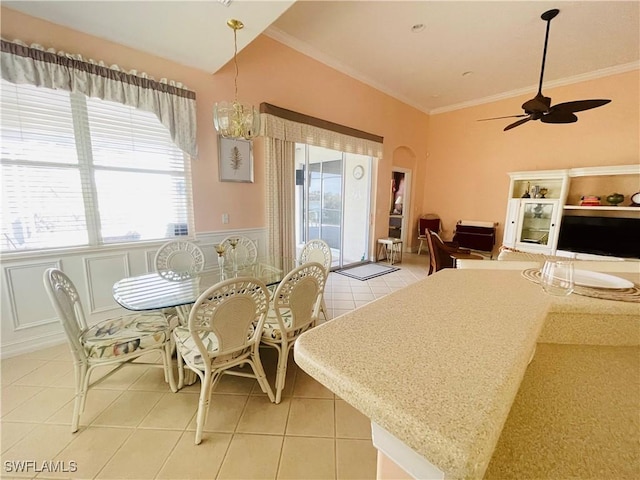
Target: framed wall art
[[235, 160]]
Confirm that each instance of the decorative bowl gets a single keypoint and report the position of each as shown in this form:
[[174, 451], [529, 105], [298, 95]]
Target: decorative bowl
[[615, 198]]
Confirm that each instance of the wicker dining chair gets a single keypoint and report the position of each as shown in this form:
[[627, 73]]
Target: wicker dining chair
[[179, 260], [223, 334], [294, 310], [245, 250], [114, 342], [318, 251]]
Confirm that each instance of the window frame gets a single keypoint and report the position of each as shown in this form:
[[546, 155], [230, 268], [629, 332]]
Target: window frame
[[87, 169]]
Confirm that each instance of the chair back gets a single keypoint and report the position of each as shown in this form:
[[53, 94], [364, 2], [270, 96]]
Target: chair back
[[234, 311], [429, 222], [439, 254], [179, 260], [299, 294], [317, 251], [245, 250], [66, 302]]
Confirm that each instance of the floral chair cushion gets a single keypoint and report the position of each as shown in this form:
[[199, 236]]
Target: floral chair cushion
[[125, 335], [271, 331], [191, 354]]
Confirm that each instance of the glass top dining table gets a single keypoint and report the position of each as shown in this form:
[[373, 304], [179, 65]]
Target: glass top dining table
[[157, 290]]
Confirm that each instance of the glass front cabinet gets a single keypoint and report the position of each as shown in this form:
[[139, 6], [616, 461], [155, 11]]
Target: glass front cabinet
[[534, 211], [537, 222]]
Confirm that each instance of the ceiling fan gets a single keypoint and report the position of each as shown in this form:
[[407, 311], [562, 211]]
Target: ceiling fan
[[539, 107]]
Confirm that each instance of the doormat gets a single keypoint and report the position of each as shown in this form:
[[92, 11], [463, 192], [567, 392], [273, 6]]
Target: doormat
[[365, 272]]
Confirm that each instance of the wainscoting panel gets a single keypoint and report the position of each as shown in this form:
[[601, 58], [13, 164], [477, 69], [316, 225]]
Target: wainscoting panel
[[24, 284], [28, 321], [101, 273]]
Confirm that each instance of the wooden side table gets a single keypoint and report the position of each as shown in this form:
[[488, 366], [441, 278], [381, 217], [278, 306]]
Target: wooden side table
[[391, 248]]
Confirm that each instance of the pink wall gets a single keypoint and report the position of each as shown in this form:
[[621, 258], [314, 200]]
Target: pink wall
[[269, 72], [459, 165], [468, 161]]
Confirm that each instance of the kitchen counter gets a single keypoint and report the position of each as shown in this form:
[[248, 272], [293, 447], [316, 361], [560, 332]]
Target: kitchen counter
[[439, 363]]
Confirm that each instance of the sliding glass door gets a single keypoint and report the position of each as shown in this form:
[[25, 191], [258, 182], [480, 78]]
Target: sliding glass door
[[332, 201]]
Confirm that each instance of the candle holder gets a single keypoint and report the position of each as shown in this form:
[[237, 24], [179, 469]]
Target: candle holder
[[234, 243], [220, 251]]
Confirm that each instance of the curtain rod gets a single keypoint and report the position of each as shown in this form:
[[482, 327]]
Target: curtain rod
[[317, 122]]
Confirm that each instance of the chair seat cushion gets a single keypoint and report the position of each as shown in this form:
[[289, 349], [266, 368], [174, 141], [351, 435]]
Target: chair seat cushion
[[272, 332], [190, 352], [125, 335]]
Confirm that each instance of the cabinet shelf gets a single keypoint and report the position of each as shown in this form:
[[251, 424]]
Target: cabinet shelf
[[602, 208]]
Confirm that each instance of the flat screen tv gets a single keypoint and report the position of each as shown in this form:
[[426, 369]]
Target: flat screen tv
[[616, 237]]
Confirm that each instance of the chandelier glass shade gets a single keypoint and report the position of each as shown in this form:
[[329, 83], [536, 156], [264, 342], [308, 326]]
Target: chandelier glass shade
[[235, 119]]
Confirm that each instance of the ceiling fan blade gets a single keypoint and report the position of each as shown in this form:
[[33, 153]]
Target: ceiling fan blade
[[515, 124], [498, 118], [578, 105], [559, 116]]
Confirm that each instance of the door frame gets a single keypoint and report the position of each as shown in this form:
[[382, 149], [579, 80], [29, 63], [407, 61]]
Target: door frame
[[406, 205]]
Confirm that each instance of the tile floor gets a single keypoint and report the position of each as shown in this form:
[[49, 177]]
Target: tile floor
[[134, 427]]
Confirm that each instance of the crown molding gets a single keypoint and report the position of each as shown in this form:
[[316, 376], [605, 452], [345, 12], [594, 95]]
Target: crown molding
[[306, 49], [583, 77]]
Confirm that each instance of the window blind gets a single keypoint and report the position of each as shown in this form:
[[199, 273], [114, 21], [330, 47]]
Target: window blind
[[80, 171]]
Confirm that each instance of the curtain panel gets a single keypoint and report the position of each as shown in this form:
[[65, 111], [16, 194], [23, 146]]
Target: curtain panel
[[174, 105], [280, 197], [281, 130]]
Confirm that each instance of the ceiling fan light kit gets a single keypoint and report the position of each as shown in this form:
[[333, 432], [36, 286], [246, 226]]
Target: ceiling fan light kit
[[539, 107]]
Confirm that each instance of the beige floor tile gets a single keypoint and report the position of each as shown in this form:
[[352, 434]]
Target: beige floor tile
[[311, 417], [91, 449], [128, 410], [121, 380], [44, 442], [46, 375], [234, 384], [173, 411], [343, 304], [308, 458], [13, 432], [306, 386], [97, 401], [188, 460], [262, 463], [355, 459], [14, 396], [350, 423], [141, 455], [368, 296], [17, 367], [152, 380], [224, 412], [41, 406], [57, 352], [262, 416], [343, 295]]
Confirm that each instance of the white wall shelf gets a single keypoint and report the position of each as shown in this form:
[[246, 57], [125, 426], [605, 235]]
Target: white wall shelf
[[610, 208]]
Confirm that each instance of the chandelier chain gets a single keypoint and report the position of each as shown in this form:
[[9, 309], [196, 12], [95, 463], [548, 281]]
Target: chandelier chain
[[235, 61]]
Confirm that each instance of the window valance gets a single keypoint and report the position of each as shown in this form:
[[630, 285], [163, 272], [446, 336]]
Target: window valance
[[171, 102], [290, 126]]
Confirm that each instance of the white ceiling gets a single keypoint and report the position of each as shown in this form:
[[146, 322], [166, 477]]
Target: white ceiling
[[499, 42]]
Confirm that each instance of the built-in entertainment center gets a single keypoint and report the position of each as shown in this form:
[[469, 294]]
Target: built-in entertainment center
[[572, 212]]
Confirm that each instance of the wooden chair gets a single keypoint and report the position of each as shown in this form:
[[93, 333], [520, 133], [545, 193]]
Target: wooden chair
[[440, 253], [431, 222]]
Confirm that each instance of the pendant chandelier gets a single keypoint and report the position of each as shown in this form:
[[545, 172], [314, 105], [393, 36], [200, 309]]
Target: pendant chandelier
[[236, 120]]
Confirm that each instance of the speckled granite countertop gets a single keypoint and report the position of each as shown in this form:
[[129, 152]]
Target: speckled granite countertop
[[438, 364]]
